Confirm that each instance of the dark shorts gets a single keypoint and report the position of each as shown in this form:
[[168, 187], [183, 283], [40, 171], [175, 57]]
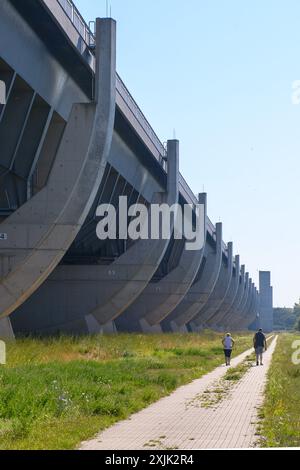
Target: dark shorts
[[227, 352], [259, 350]]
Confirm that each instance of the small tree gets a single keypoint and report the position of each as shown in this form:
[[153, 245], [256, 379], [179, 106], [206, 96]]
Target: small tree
[[296, 312], [297, 309]]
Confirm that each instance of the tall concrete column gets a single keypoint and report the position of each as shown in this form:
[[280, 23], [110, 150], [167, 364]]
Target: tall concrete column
[[266, 301], [40, 232]]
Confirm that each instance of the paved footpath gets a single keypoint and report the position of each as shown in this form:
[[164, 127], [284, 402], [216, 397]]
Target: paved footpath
[[180, 422]]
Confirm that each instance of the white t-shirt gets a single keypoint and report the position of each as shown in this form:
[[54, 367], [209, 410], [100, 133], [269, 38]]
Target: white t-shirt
[[228, 342]]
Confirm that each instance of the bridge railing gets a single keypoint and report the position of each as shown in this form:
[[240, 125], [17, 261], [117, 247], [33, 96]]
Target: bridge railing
[[78, 21]]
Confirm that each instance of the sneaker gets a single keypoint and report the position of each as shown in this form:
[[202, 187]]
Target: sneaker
[[261, 364], [257, 364]]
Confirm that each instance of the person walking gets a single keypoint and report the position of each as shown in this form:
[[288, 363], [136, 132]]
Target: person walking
[[228, 343], [260, 345]]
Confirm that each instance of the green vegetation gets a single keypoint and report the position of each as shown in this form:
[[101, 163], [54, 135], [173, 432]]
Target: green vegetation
[[280, 418], [297, 315], [287, 318], [235, 374], [55, 393], [224, 386]]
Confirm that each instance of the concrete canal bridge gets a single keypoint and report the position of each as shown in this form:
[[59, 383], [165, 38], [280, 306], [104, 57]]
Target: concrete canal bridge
[[73, 137]]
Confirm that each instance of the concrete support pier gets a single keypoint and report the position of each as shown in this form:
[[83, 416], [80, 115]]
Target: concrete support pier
[[266, 319]]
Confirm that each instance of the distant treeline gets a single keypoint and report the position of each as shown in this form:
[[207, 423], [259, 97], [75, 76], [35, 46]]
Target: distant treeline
[[287, 318]]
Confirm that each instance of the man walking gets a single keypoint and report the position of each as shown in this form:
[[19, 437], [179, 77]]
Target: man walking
[[260, 345]]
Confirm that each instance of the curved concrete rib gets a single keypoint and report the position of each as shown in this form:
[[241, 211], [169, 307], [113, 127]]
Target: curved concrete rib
[[230, 296], [248, 300], [237, 301], [220, 290], [135, 268], [199, 293], [159, 299], [215, 299], [41, 231], [240, 320], [250, 313], [236, 313], [237, 319]]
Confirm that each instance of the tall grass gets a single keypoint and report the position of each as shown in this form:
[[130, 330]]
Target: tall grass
[[280, 414]]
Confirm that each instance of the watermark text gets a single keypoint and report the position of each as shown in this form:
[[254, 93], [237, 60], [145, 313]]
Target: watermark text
[[156, 222]]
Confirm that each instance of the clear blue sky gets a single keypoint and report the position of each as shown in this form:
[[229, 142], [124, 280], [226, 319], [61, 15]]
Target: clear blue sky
[[220, 73]]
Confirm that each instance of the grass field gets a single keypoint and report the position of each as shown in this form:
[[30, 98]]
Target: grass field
[[280, 426], [56, 393]]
